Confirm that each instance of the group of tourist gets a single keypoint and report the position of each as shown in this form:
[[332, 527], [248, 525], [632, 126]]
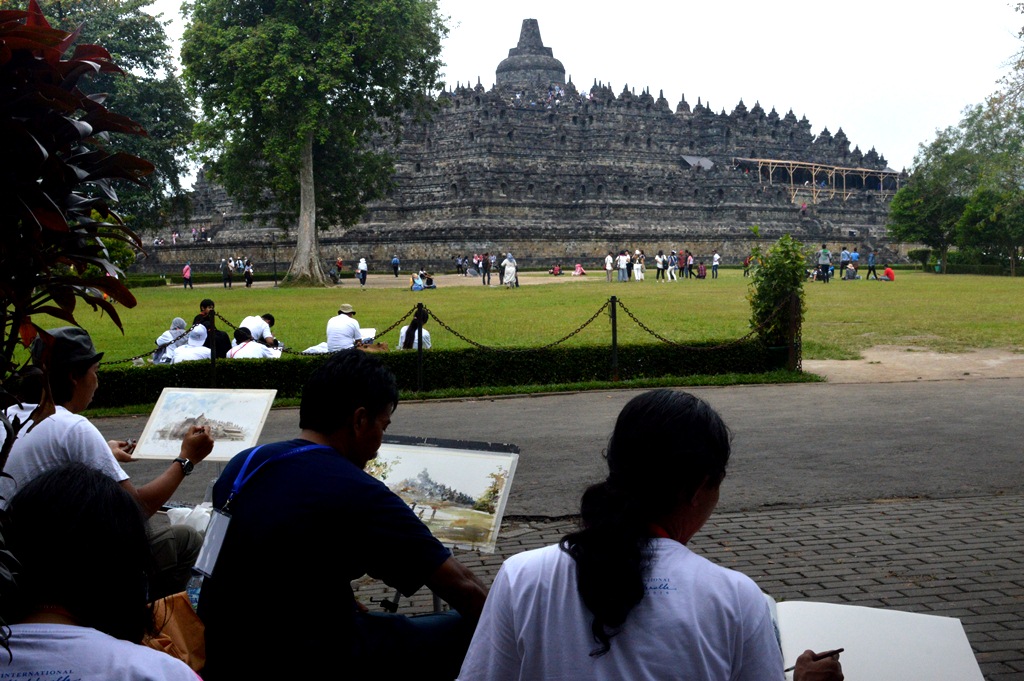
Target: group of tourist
[[670, 267], [848, 265], [253, 339], [229, 266], [306, 511]]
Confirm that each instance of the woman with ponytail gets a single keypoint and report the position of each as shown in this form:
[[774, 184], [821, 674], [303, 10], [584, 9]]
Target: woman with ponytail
[[624, 598]]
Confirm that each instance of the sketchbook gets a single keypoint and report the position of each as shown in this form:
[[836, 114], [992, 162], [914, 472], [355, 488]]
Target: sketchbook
[[880, 644]]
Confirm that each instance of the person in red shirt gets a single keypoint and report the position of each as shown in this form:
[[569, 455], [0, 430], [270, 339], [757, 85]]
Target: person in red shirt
[[888, 274]]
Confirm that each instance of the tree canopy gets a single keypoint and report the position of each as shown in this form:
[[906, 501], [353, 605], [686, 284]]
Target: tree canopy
[[148, 90], [293, 94], [966, 188]]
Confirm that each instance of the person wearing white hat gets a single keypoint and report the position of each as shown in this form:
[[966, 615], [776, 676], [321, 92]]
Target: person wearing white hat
[[194, 349], [343, 331], [362, 272]]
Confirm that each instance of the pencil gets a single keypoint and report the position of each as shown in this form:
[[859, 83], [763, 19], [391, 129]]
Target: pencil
[[816, 657]]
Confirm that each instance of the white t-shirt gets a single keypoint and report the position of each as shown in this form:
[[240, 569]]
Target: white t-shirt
[[58, 439], [401, 339], [259, 328], [697, 620], [63, 651], [608, 262], [342, 333], [716, 259], [190, 353], [251, 350]]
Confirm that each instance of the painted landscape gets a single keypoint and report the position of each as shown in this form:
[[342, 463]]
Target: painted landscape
[[459, 494]]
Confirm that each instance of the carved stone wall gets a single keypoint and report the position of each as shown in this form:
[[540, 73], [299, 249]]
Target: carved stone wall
[[536, 167]]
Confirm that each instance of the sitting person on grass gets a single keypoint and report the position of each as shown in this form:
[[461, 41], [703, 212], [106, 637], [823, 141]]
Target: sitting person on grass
[[79, 610], [247, 348], [579, 271]]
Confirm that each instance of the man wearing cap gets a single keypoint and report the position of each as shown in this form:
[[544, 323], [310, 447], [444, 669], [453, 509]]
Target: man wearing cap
[[193, 350], [343, 331], [71, 361]]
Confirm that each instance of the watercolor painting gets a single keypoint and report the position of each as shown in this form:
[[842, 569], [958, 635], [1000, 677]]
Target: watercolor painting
[[460, 494], [235, 419]]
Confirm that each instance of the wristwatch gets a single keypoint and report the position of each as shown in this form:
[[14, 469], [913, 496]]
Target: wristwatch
[[186, 465]]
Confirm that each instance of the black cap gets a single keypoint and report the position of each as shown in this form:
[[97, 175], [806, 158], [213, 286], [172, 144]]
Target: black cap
[[72, 346]]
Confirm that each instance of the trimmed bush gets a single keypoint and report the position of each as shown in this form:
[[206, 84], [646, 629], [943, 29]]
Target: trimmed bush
[[121, 385]]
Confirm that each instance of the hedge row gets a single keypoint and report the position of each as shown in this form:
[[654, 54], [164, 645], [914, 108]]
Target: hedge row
[[121, 385]]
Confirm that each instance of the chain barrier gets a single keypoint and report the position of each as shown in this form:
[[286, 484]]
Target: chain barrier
[[561, 340], [149, 353], [771, 318], [694, 348]]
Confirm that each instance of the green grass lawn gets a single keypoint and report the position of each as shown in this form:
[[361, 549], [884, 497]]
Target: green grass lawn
[[945, 313]]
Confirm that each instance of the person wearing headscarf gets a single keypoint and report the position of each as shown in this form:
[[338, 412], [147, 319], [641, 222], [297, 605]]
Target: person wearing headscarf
[[509, 266], [169, 340]]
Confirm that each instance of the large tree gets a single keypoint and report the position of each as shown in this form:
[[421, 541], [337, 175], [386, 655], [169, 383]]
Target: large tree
[[293, 93], [928, 209], [148, 91]]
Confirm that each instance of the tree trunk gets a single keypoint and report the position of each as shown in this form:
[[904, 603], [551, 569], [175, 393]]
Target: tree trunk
[[306, 268]]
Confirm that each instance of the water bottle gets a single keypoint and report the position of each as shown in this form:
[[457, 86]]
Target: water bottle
[[195, 585]]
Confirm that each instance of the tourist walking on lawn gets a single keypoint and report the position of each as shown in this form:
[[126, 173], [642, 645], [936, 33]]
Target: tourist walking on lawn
[[659, 266], [186, 275], [638, 267], [509, 265], [396, 265], [609, 263], [716, 260], [248, 273], [871, 266], [673, 266], [362, 268]]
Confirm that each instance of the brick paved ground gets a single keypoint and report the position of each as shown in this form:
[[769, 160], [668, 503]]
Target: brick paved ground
[[959, 557]]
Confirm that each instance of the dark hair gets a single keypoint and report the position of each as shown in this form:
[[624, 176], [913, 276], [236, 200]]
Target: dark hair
[[31, 382], [205, 302], [82, 543], [665, 445], [347, 380], [242, 334], [268, 318], [419, 318]]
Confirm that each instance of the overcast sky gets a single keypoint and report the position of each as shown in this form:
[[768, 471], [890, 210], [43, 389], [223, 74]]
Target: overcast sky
[[888, 73]]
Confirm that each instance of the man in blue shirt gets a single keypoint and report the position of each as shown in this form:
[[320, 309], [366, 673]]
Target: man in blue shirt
[[871, 266]]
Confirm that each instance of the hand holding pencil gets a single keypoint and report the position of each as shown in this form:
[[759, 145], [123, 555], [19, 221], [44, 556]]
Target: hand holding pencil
[[811, 666]]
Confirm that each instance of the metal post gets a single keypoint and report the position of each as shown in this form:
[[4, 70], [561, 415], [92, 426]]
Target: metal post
[[213, 350], [419, 348], [793, 357], [613, 302]]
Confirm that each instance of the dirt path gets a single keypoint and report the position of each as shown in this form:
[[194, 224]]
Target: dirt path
[[892, 364]]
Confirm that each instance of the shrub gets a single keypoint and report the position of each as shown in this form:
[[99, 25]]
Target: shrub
[[124, 384], [779, 275]]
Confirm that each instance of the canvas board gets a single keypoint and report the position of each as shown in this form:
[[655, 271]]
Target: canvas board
[[880, 644], [460, 494], [235, 417]]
